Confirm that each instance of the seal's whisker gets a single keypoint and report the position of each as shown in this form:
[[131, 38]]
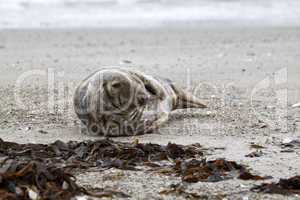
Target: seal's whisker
[[133, 114]]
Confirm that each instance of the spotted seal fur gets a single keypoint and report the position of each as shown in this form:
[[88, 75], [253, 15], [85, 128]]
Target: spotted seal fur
[[111, 101]]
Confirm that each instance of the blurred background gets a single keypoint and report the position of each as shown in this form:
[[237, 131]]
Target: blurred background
[[146, 13]]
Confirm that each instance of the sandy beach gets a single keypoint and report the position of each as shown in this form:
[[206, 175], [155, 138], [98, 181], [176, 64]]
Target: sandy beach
[[249, 77]]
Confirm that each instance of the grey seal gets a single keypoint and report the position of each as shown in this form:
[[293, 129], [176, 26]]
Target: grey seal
[[111, 101]]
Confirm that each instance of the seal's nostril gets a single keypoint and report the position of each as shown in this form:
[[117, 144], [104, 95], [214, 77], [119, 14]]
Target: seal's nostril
[[94, 128], [142, 100]]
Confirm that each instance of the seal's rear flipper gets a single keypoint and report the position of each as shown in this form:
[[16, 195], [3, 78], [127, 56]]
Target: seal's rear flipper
[[190, 102], [187, 100]]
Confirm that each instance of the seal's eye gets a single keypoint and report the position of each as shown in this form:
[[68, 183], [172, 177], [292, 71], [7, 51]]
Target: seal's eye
[[116, 85]]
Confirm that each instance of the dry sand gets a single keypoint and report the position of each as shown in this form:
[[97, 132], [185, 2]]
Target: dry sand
[[248, 76]]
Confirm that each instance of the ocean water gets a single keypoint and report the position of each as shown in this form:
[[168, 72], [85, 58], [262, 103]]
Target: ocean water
[[146, 13]]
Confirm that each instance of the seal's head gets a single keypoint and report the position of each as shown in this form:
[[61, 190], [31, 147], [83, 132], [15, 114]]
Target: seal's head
[[123, 90], [111, 102]]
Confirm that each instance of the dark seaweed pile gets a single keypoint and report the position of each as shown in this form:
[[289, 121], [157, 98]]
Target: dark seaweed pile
[[39, 171], [26, 180], [284, 186], [101, 153], [47, 171], [210, 171]]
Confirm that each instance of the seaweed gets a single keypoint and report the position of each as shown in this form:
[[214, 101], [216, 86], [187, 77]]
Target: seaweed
[[46, 171], [194, 170], [284, 186], [101, 153], [36, 180]]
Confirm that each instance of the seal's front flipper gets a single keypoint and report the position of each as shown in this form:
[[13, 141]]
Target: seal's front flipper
[[151, 85], [144, 127], [150, 126]]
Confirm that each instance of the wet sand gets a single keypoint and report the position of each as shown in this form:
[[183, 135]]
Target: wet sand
[[248, 76]]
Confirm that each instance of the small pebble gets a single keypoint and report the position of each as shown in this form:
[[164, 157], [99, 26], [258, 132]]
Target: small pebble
[[43, 132]]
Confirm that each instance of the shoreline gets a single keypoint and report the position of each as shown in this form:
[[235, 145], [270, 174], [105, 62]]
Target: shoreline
[[180, 26]]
